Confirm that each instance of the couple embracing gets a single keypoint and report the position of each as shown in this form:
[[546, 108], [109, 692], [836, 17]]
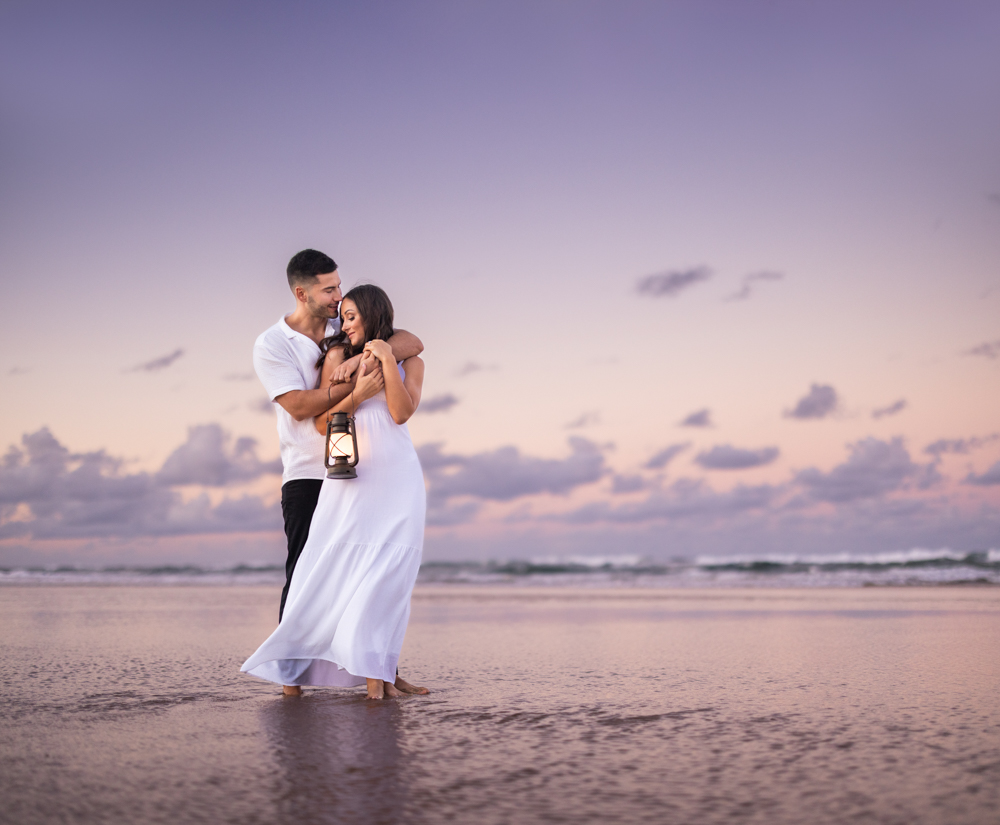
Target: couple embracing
[[354, 545]]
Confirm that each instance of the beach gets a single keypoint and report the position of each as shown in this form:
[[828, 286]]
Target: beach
[[125, 704]]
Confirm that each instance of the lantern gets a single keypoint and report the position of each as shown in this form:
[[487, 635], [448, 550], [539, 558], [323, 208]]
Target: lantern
[[341, 446]]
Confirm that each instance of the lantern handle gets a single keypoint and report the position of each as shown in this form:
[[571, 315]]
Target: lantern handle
[[329, 402]]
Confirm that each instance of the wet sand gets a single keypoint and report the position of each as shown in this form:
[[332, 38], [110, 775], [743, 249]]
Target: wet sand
[[125, 705]]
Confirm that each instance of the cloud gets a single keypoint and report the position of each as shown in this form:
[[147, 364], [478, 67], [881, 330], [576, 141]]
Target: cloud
[[994, 198], [989, 478], [665, 456], [991, 350], [262, 405], [207, 459], [585, 420], [746, 288], [685, 499], [959, 446], [894, 408], [471, 367], [797, 513], [504, 474], [670, 284], [819, 402], [17, 371], [700, 418], [449, 514], [439, 403], [157, 364], [873, 469], [627, 484], [725, 457], [48, 492], [239, 376]]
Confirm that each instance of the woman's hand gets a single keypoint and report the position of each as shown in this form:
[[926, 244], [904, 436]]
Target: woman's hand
[[381, 350], [369, 384]]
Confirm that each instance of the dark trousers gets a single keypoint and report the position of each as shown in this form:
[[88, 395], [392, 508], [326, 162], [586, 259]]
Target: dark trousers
[[298, 501]]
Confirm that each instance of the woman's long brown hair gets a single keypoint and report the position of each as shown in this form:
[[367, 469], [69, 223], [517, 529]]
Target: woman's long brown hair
[[376, 313]]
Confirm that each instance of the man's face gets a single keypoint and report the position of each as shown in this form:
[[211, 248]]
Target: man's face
[[323, 297]]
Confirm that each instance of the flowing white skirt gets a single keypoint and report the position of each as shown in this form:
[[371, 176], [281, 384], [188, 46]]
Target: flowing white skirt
[[349, 600]]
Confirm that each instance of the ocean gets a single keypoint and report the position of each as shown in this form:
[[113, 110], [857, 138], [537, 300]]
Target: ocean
[[123, 703], [898, 568]]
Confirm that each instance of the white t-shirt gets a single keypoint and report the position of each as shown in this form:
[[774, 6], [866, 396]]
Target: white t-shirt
[[285, 360]]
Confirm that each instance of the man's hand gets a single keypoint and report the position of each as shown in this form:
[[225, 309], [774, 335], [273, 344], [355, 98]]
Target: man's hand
[[343, 372], [370, 363]]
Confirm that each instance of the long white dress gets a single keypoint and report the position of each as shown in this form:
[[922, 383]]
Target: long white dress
[[349, 601]]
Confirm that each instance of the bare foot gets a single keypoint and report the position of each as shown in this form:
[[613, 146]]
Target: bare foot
[[376, 688], [291, 690], [406, 687], [392, 692]]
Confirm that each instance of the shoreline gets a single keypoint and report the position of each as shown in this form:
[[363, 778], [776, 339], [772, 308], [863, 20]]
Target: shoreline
[[459, 589], [778, 598], [583, 704]]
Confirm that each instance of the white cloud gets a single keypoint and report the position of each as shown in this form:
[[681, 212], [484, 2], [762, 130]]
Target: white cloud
[[989, 349], [819, 402], [699, 418], [726, 457], [157, 364], [670, 284], [76, 495], [892, 409], [987, 479], [207, 459], [747, 287], [505, 474], [874, 468], [437, 404], [662, 458]]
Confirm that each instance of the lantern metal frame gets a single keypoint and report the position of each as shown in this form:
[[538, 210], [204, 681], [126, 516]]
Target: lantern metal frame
[[340, 423]]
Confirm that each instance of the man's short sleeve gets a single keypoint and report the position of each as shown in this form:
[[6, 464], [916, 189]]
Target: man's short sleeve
[[277, 370]]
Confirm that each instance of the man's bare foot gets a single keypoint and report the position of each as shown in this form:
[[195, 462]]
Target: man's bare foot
[[406, 687], [376, 688], [291, 690]]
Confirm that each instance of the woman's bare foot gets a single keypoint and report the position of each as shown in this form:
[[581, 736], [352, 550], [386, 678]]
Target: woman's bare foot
[[376, 688], [406, 687], [291, 690], [392, 692]]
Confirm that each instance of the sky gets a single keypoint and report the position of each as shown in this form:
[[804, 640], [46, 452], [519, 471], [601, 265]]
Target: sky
[[695, 279]]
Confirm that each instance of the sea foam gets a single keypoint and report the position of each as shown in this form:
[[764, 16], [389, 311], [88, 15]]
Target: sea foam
[[913, 567]]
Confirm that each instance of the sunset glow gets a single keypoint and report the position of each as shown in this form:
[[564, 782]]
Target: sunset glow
[[693, 279]]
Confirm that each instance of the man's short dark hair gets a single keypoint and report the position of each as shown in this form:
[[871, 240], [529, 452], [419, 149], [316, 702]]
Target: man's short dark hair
[[305, 266]]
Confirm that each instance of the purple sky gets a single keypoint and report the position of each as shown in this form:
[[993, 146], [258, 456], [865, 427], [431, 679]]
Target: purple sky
[[694, 278]]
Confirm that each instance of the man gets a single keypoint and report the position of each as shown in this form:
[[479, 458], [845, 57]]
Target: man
[[285, 357]]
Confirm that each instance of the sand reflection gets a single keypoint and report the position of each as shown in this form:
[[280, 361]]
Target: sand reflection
[[339, 756]]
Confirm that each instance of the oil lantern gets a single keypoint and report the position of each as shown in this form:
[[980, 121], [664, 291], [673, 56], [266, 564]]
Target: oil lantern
[[341, 446]]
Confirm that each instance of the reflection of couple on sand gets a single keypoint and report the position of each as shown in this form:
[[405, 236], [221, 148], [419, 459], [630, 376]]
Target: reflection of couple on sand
[[353, 545], [338, 764]]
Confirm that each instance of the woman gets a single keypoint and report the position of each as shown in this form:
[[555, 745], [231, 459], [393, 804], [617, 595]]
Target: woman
[[349, 599]]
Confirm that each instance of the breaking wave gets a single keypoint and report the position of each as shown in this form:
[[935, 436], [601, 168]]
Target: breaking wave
[[904, 568]]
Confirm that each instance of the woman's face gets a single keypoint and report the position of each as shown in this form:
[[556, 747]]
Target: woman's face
[[351, 323]]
